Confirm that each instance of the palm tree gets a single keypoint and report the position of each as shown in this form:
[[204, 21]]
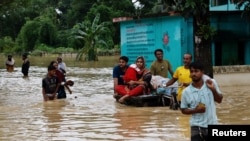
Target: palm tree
[[90, 34]]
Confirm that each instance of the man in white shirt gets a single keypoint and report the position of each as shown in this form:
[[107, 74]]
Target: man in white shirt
[[10, 62], [61, 65]]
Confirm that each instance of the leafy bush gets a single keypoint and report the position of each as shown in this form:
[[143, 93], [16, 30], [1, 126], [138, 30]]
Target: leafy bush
[[44, 47], [7, 45]]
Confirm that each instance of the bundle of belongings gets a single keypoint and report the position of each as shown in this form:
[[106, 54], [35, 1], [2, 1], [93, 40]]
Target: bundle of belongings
[[170, 92]]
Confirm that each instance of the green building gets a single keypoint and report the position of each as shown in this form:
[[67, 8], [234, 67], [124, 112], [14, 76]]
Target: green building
[[231, 45]]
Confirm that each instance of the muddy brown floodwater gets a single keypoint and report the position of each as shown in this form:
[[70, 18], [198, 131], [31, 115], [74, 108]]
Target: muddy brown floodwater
[[94, 114]]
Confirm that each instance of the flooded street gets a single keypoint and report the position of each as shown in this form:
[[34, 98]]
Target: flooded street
[[91, 113]]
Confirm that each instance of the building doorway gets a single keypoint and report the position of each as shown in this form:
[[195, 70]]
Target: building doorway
[[229, 53]]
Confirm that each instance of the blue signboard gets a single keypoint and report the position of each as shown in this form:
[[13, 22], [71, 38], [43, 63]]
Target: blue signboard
[[141, 37]]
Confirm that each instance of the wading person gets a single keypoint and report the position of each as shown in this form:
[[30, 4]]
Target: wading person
[[62, 80], [160, 66], [50, 84], [10, 62], [198, 100], [25, 65], [61, 65]]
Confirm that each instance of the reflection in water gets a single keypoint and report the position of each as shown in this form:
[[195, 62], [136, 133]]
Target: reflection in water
[[51, 112], [151, 123], [94, 114]]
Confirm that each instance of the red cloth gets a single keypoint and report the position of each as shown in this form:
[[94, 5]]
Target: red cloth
[[130, 74], [123, 90], [136, 91], [60, 76]]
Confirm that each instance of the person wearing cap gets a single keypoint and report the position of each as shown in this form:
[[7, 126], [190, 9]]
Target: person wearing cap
[[10, 62], [25, 65]]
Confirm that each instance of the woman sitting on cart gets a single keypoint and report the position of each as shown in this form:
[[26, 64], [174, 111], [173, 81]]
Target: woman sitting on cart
[[137, 85]]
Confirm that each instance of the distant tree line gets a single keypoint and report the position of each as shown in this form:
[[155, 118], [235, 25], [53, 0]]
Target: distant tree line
[[82, 26], [49, 25]]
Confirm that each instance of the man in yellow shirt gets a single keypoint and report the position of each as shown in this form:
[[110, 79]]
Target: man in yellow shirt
[[182, 75]]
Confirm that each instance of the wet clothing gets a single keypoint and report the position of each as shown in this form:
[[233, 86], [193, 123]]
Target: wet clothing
[[61, 90], [199, 133], [50, 84], [9, 68], [25, 67], [161, 68]]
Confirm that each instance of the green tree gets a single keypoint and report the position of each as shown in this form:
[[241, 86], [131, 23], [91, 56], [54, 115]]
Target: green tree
[[90, 34], [47, 27], [109, 10], [7, 45], [62, 15], [145, 8], [165, 6], [199, 11], [28, 36], [35, 32], [77, 11], [106, 16], [12, 14], [119, 8]]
